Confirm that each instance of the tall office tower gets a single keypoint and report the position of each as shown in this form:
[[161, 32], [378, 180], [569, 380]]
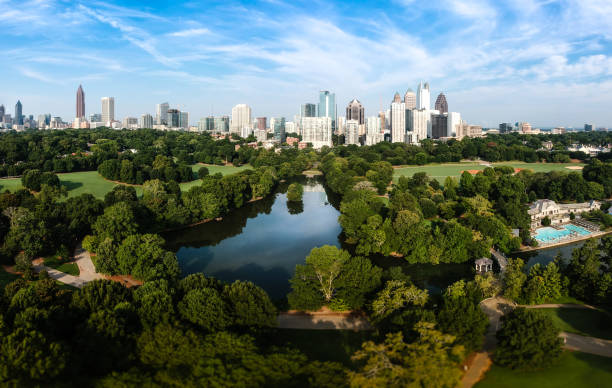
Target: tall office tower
[[453, 123], [108, 110], [441, 104], [355, 111], [418, 123], [146, 121], [241, 117], [439, 125], [505, 127], [174, 120], [80, 103], [262, 123], [18, 113], [373, 133], [398, 120], [42, 121], [2, 113], [351, 132], [317, 130], [161, 113], [221, 124], [130, 123], [210, 123], [410, 99], [184, 120], [383, 121], [423, 97], [279, 129], [327, 106], [308, 110]]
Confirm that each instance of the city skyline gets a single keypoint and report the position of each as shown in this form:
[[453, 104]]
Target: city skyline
[[496, 63]]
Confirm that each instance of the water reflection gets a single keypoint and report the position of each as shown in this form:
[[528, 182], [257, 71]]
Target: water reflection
[[295, 207]]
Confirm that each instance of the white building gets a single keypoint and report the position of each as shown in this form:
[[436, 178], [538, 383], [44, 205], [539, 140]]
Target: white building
[[351, 135], [423, 96], [374, 132], [290, 127], [241, 117], [161, 113], [261, 134], [453, 122], [246, 132], [108, 110], [398, 120], [557, 213], [146, 121], [317, 130], [340, 125], [419, 125]]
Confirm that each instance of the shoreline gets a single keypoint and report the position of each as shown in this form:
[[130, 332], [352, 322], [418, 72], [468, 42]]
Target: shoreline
[[568, 242]]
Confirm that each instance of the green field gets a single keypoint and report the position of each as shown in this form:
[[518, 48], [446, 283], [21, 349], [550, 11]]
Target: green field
[[441, 171], [91, 182], [62, 266], [592, 323], [573, 370]]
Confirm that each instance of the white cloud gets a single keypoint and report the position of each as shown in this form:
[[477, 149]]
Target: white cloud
[[189, 33]]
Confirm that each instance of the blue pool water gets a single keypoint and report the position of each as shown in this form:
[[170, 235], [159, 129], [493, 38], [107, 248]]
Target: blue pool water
[[548, 235]]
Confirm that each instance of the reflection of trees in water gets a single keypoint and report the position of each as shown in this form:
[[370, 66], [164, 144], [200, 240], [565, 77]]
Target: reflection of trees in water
[[295, 207], [273, 280]]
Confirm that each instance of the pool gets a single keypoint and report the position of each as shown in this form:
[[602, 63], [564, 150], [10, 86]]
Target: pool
[[548, 235]]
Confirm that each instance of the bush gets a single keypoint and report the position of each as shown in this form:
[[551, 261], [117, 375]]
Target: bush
[[295, 192], [202, 172], [546, 221]]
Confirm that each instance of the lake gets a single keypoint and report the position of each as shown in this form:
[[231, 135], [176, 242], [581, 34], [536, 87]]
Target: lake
[[264, 240]]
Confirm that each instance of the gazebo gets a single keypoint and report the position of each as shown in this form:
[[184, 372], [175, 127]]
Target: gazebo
[[484, 264]]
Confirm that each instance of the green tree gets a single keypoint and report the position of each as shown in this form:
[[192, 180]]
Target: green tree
[[295, 192], [357, 279], [116, 223], [323, 266], [514, 279], [204, 308], [395, 296], [250, 306]]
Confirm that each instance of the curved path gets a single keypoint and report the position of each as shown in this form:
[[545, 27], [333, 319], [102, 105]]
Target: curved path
[[83, 261], [323, 321]]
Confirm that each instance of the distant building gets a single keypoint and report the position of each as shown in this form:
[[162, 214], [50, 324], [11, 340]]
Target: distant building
[[588, 127], [279, 129], [222, 124], [241, 117], [18, 113], [317, 130], [556, 212], [439, 125], [410, 99], [2, 112], [505, 127], [174, 120], [355, 111], [374, 134], [146, 121], [351, 132], [441, 104], [327, 106], [108, 110], [260, 134], [95, 117], [130, 123], [525, 128], [161, 113], [246, 132], [453, 122], [418, 124], [398, 120], [423, 96], [308, 110], [262, 123], [184, 120], [80, 103]]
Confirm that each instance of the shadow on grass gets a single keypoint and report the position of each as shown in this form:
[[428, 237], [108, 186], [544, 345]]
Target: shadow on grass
[[588, 322], [70, 185]]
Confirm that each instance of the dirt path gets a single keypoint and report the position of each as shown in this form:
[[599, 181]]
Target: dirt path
[[323, 321]]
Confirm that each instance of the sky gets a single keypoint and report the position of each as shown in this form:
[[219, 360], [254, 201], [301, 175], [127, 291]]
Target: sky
[[547, 62]]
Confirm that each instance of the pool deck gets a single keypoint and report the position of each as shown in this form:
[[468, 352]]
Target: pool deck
[[567, 242]]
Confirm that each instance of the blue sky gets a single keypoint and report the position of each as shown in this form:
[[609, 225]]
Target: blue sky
[[544, 61]]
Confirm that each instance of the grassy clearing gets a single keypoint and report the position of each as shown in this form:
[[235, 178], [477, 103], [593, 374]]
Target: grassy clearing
[[574, 370], [592, 323], [323, 345], [225, 170], [62, 266], [6, 278], [441, 171]]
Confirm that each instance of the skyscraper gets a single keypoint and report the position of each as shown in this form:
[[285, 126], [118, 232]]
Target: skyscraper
[[327, 106], [398, 120], [352, 132], [241, 117], [355, 111], [184, 120], [80, 103], [146, 121], [2, 113], [18, 113], [279, 129], [441, 104], [410, 99], [174, 119], [316, 130], [308, 110], [161, 113], [262, 123], [423, 96], [439, 125], [418, 125], [108, 110]]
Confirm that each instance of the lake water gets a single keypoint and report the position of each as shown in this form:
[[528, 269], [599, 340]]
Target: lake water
[[264, 240]]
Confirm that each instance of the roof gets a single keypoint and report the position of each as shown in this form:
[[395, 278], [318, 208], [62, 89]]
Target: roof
[[542, 205], [484, 261]]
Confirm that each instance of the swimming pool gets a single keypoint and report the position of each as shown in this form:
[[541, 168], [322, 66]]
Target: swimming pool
[[548, 235]]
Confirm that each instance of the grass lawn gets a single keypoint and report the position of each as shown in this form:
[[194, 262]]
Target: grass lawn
[[441, 171], [592, 323], [323, 345], [573, 370], [225, 170], [62, 266], [6, 278]]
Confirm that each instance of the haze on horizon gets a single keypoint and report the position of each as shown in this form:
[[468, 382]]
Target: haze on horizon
[[547, 62]]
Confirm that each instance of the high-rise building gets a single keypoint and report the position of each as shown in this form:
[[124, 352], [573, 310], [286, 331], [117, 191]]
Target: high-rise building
[[130, 123], [174, 120], [355, 111], [2, 111], [505, 127], [222, 124], [262, 123], [383, 121], [439, 125], [398, 120], [453, 122], [279, 129], [587, 127], [418, 124], [18, 113], [42, 121], [351, 132], [308, 110], [441, 104], [241, 117], [423, 96], [80, 103], [184, 120], [146, 121], [161, 113], [317, 130], [373, 133], [410, 99], [327, 106], [108, 110]]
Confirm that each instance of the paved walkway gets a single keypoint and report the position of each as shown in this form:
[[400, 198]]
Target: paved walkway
[[501, 259], [598, 346], [82, 260], [325, 321]]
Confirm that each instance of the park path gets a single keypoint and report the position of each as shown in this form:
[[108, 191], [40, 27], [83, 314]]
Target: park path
[[322, 321], [82, 259]]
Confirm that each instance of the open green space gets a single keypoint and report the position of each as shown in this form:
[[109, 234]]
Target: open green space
[[574, 370], [6, 278], [441, 171], [592, 323], [91, 182], [322, 345], [62, 266]]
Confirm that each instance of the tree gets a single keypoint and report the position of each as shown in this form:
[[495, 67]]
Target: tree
[[326, 263], [431, 361], [528, 340], [357, 279], [462, 317], [395, 296], [154, 302], [250, 306], [295, 192], [116, 223], [100, 295], [202, 172], [205, 309], [514, 279]]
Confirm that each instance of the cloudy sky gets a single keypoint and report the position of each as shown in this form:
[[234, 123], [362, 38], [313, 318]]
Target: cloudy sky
[[548, 62]]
